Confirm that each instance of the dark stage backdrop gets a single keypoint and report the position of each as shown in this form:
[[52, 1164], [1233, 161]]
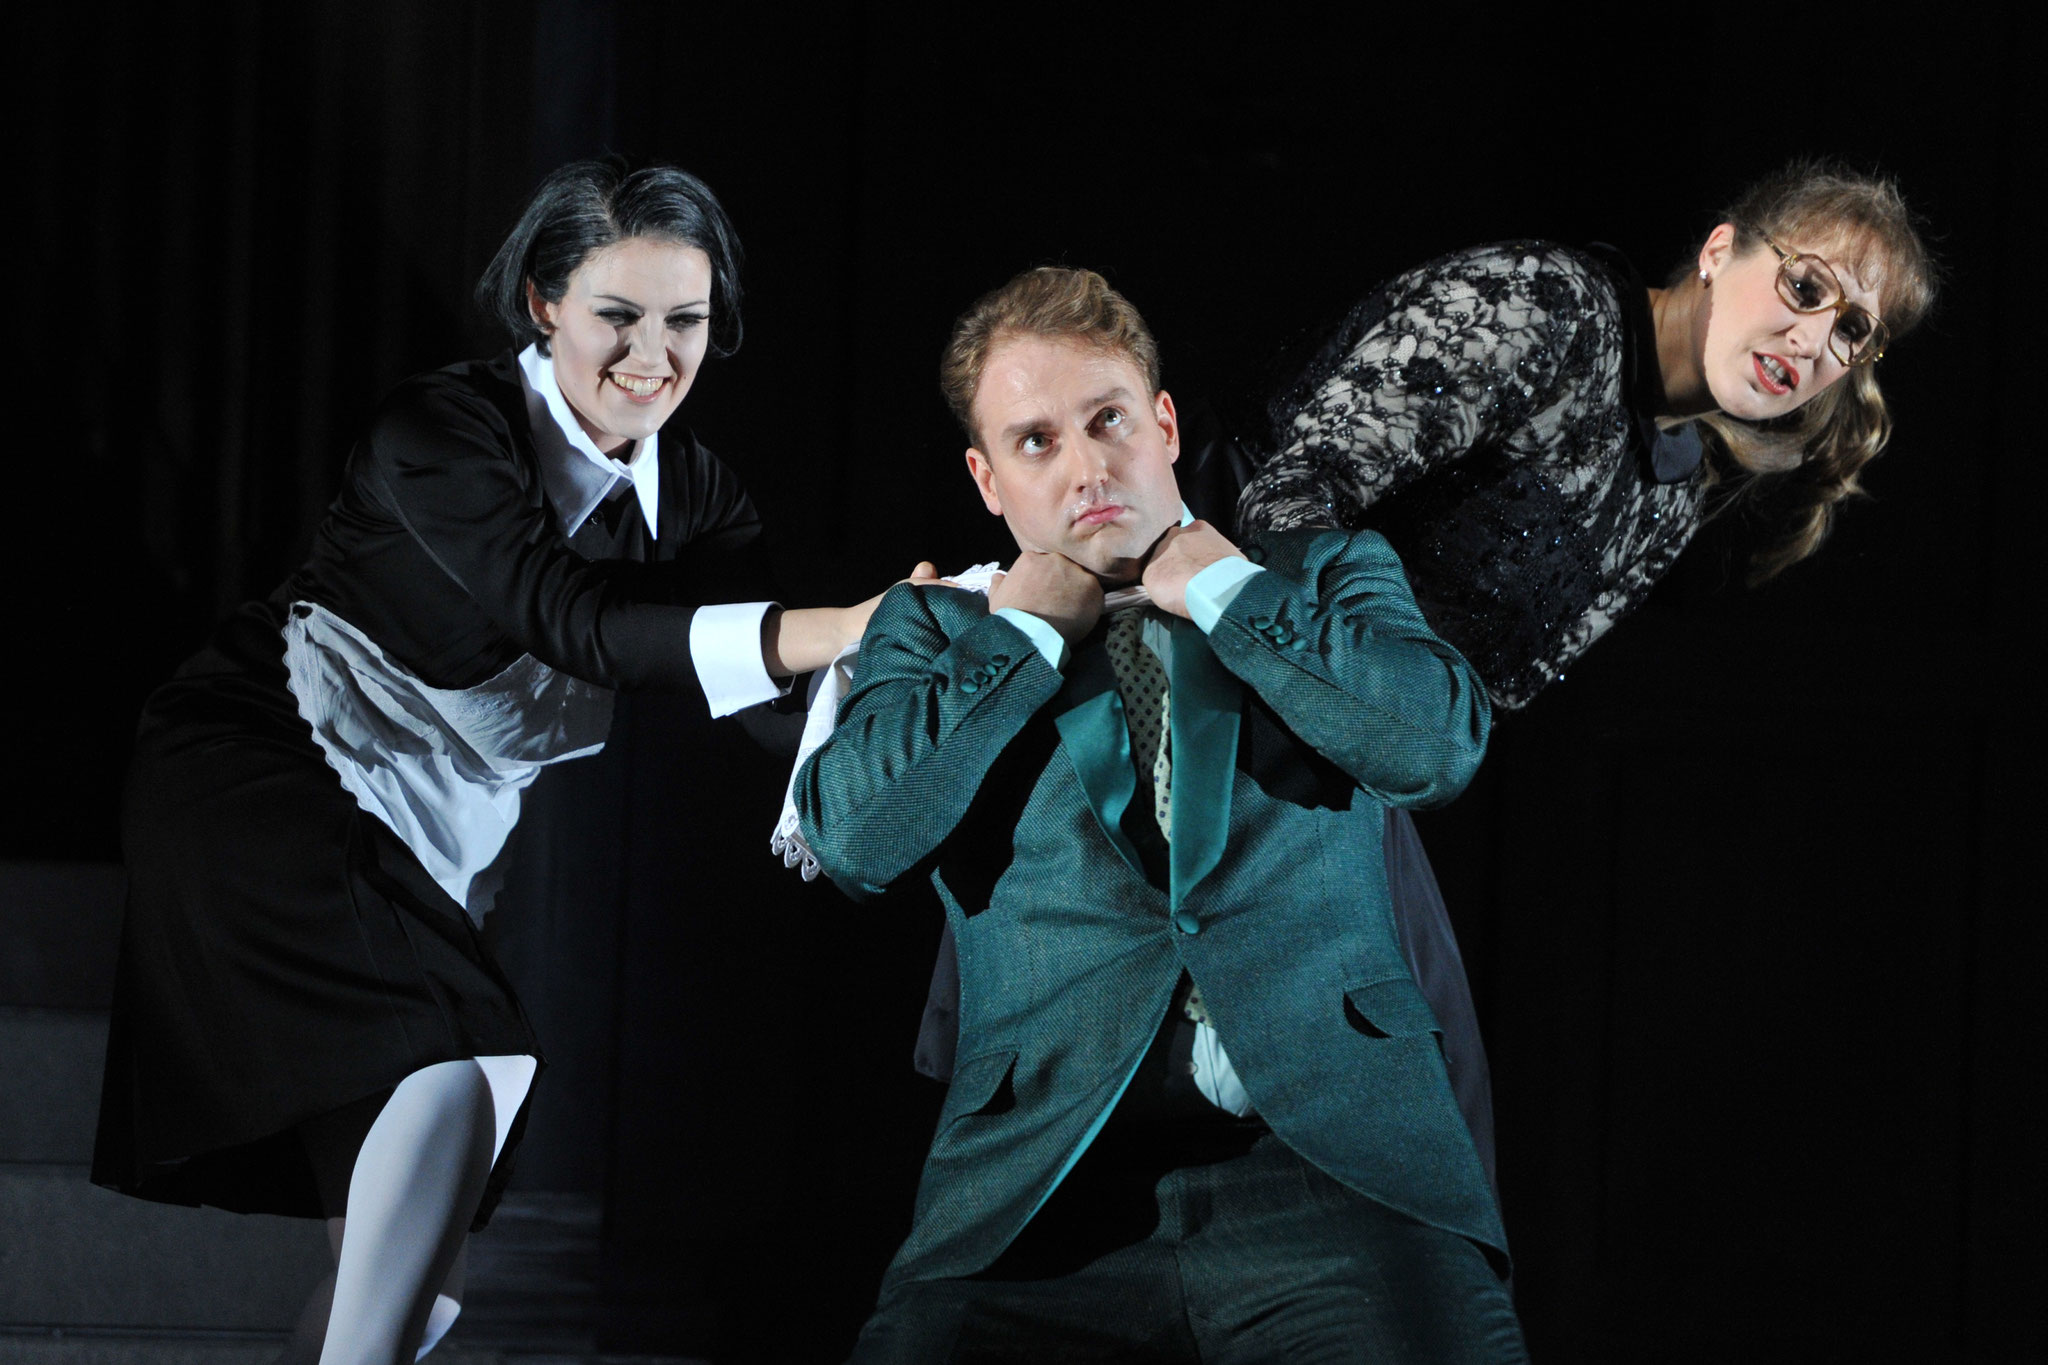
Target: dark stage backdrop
[[1744, 898]]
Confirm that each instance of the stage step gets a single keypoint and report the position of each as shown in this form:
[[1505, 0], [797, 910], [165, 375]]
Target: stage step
[[37, 1348], [50, 1063], [85, 1270], [61, 927], [75, 1255], [532, 1278], [70, 1348], [89, 1277]]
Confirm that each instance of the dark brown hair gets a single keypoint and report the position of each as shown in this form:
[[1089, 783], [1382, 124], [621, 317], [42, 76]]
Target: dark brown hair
[[586, 206]]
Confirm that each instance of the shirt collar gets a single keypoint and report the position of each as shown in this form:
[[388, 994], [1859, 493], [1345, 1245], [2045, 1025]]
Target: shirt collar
[[577, 475], [1134, 595]]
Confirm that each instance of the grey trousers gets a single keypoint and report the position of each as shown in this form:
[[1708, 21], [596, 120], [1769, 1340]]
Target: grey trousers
[[1221, 1247]]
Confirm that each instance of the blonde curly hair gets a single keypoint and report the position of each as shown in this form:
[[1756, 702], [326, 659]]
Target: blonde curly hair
[[1804, 465]]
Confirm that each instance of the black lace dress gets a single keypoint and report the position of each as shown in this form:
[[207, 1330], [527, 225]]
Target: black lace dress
[[1491, 413]]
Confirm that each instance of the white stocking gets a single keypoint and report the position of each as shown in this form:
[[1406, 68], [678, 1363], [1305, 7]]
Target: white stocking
[[411, 1196], [311, 1329], [508, 1079], [447, 1305]]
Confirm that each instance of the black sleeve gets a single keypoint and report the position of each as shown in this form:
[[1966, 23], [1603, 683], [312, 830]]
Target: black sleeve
[[711, 547], [1440, 361], [440, 457]]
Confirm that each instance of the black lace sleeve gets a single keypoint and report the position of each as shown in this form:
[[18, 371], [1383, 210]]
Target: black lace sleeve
[[1461, 353]]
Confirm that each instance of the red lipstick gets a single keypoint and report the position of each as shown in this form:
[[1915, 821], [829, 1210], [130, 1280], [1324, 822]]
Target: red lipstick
[[1767, 374]]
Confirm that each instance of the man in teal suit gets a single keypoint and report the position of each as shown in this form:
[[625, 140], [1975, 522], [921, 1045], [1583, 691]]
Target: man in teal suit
[[1200, 1111]]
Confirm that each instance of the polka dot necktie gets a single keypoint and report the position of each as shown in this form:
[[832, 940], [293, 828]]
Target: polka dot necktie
[[1141, 678]]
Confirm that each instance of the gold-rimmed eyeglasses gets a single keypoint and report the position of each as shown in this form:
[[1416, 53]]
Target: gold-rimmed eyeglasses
[[1809, 285]]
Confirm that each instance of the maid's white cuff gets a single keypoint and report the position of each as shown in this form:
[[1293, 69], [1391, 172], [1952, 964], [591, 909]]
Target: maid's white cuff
[[725, 645]]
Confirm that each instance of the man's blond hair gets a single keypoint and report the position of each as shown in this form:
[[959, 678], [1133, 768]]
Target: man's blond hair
[[1049, 301]]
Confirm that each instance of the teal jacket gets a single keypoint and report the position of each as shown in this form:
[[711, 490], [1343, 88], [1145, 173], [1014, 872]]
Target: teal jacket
[[961, 754]]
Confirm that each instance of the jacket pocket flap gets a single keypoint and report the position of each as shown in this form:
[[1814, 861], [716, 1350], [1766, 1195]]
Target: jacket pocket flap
[[1392, 1008], [981, 1085]]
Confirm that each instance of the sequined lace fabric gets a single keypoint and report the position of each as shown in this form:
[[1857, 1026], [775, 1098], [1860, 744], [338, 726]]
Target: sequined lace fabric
[[1475, 411]]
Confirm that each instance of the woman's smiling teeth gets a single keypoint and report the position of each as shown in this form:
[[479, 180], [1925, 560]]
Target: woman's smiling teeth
[[1776, 373], [638, 387]]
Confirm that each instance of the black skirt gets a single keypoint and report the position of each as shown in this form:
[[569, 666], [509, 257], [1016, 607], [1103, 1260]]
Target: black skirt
[[284, 955]]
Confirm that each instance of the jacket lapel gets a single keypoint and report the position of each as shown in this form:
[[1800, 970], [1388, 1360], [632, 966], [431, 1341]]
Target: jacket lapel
[[1206, 700], [1098, 743], [1206, 712]]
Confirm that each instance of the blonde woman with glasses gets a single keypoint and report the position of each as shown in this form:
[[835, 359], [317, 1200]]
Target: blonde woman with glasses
[[1539, 432]]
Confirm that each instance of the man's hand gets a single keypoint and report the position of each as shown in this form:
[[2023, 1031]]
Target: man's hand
[[1051, 587], [1179, 555]]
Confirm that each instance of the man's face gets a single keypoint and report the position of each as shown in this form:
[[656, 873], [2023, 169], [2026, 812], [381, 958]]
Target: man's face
[[1076, 454]]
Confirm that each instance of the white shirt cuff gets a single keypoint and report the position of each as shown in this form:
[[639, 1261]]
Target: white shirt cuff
[[725, 645], [1049, 641], [1215, 587]]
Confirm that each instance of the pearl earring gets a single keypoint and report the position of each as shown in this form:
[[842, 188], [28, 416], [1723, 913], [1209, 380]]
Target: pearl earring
[[1705, 279]]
